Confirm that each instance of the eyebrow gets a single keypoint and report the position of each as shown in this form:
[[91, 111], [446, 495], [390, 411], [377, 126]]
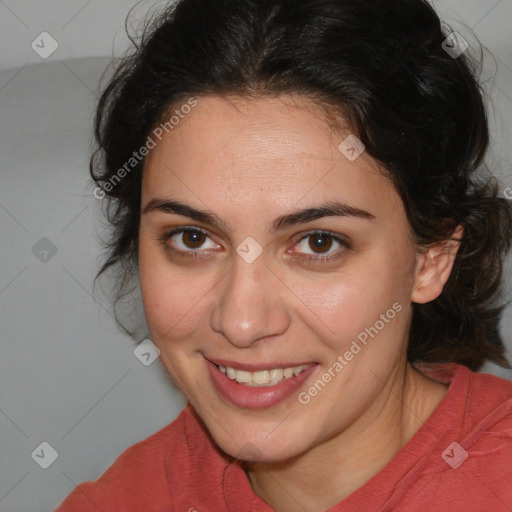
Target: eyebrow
[[327, 209]]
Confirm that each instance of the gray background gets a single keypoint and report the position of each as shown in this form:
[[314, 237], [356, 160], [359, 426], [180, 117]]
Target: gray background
[[68, 377]]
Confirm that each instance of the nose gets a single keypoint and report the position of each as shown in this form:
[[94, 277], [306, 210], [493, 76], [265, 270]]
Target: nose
[[250, 305]]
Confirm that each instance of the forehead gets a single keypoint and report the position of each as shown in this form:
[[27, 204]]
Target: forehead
[[275, 152]]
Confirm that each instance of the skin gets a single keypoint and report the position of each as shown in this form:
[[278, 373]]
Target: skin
[[250, 161]]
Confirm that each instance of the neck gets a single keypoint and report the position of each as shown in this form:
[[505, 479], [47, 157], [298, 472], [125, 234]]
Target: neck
[[331, 471]]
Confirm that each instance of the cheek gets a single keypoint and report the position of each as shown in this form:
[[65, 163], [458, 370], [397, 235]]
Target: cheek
[[346, 304], [173, 298]]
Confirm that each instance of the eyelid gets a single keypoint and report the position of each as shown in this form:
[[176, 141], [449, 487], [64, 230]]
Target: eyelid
[[336, 236], [179, 229]]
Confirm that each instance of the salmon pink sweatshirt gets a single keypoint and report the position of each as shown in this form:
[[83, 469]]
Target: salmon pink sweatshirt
[[460, 460]]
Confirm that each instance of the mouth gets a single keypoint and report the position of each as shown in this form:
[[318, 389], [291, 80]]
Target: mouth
[[261, 378], [254, 386]]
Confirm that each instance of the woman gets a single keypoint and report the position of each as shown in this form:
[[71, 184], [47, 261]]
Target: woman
[[298, 187]]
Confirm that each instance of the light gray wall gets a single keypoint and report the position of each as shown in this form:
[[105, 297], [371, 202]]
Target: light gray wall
[[68, 377], [83, 28]]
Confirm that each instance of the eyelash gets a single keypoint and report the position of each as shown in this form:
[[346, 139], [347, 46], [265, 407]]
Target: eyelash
[[199, 254]]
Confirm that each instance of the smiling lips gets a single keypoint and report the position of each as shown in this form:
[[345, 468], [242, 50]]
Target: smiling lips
[[260, 388]]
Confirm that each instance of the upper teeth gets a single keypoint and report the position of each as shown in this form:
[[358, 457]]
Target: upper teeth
[[261, 378]]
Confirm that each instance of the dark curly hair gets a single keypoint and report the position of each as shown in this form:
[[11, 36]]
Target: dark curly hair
[[383, 66]]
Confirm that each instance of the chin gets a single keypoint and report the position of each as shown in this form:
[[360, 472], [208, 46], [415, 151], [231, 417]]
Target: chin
[[254, 444]]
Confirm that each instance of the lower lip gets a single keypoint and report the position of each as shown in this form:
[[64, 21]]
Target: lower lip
[[253, 397]]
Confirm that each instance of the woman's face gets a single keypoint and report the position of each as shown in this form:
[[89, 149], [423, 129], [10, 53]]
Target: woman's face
[[252, 284]]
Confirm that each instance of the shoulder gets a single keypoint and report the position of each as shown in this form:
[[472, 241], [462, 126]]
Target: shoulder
[[481, 392], [489, 438], [476, 404], [482, 383], [488, 404], [138, 477], [476, 460]]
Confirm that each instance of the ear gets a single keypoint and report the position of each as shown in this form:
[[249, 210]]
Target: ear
[[434, 267]]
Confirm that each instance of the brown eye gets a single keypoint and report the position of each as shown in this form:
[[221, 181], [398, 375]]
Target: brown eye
[[320, 247], [193, 239], [320, 242], [188, 241]]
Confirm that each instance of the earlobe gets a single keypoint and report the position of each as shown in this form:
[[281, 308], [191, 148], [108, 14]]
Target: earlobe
[[434, 267]]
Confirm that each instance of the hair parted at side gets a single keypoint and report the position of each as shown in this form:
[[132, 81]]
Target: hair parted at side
[[381, 65]]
